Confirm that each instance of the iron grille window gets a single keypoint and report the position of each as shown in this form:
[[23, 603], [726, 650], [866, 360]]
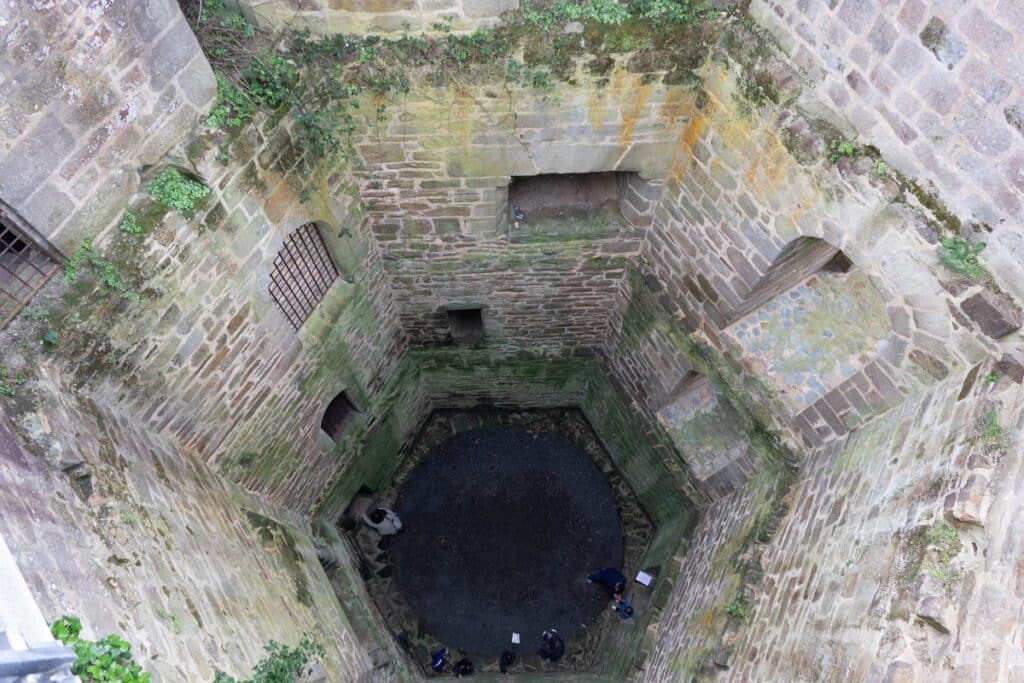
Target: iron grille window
[[303, 272], [24, 268]]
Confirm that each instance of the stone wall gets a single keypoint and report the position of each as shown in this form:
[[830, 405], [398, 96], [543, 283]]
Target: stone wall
[[714, 238], [435, 186], [903, 575], [92, 92], [937, 87], [376, 16], [154, 546]]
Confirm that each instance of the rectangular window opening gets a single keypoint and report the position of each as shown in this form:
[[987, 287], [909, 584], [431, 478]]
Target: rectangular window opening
[[467, 325], [24, 268]]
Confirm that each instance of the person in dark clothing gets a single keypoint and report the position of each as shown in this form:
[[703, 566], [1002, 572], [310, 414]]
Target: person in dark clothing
[[552, 647], [463, 667], [611, 579], [439, 660], [508, 658]]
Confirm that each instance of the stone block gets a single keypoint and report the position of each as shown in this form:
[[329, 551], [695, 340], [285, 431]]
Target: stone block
[[907, 59], [940, 91], [371, 6], [946, 47], [478, 9], [882, 36], [985, 135], [47, 209], [970, 504], [857, 14], [986, 34], [1014, 115], [996, 314], [982, 79], [33, 159], [172, 53], [912, 14], [1012, 367], [149, 17]]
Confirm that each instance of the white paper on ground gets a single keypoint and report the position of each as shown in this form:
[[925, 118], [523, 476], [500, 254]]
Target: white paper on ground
[[515, 638], [644, 578]]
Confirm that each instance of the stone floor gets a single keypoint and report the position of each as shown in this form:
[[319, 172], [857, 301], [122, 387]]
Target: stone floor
[[501, 527], [375, 554], [808, 340], [706, 428]]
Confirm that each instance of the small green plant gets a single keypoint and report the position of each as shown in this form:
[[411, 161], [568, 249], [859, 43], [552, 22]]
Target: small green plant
[[962, 256], [128, 519], [944, 542], [282, 664], [50, 337], [841, 148], [7, 385], [660, 12], [173, 618], [107, 659], [36, 312], [738, 610], [881, 168], [232, 108], [991, 430], [130, 224], [87, 255], [993, 377], [171, 188]]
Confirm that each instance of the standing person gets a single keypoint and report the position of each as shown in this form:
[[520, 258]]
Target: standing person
[[611, 579], [439, 660], [552, 647], [384, 521]]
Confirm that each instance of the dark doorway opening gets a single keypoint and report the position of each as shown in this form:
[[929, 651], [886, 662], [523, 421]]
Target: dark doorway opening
[[340, 413]]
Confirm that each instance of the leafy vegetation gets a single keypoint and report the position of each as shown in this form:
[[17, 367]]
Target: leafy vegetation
[[50, 337], [993, 377], [991, 430], [962, 256], [738, 610], [130, 224], [87, 256], [107, 659], [944, 543], [335, 87], [8, 385], [172, 188], [169, 616], [282, 664], [841, 148]]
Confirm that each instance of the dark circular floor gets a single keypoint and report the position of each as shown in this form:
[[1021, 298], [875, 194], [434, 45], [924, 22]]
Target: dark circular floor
[[500, 528]]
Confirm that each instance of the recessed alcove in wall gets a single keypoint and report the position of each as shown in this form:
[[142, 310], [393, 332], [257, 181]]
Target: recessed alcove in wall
[[466, 325], [567, 206], [340, 413], [811, 322]]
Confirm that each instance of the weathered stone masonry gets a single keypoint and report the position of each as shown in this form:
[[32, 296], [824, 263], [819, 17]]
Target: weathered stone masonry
[[820, 431]]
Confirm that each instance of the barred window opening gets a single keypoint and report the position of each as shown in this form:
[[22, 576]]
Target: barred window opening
[[303, 272], [24, 268]]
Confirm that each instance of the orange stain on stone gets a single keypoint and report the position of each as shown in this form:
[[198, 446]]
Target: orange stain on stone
[[632, 110]]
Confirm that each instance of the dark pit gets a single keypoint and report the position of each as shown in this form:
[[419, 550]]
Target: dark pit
[[501, 527]]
